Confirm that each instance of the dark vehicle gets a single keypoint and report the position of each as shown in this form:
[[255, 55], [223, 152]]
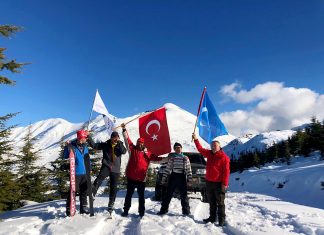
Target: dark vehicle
[[198, 167]]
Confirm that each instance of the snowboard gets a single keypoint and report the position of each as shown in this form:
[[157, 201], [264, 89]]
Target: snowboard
[[89, 184], [72, 181]]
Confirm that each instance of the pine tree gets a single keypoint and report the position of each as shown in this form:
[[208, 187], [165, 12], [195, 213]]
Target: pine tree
[[263, 157], [234, 165], [240, 163], [150, 177], [284, 152], [315, 134], [8, 198], [96, 159], [322, 141], [9, 65], [305, 148], [294, 143], [5, 144], [59, 174], [256, 159], [33, 179], [272, 153]]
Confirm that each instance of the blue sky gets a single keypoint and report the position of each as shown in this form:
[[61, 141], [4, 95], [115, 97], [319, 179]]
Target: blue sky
[[142, 54]]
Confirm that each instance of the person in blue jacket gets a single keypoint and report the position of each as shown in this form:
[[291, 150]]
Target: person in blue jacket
[[80, 149]]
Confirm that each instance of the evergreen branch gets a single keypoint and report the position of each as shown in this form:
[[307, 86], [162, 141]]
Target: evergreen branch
[[7, 30], [6, 81]]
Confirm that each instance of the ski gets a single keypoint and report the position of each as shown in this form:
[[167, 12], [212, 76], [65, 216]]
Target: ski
[[72, 181], [88, 175]]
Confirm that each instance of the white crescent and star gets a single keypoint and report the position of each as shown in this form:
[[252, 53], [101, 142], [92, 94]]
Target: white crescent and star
[[150, 123], [204, 109]]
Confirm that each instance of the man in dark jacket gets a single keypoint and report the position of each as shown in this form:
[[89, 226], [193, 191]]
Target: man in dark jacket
[[217, 177], [80, 149], [138, 163], [112, 150], [178, 170]]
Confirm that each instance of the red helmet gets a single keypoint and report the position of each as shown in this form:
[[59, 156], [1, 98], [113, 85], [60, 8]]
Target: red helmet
[[81, 134], [140, 140]]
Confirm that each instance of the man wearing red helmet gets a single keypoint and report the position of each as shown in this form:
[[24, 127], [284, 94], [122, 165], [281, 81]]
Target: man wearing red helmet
[[138, 163], [80, 149]]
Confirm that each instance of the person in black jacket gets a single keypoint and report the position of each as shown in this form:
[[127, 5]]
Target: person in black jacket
[[112, 150]]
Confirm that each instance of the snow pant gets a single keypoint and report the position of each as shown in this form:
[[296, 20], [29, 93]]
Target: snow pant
[[113, 181], [131, 185], [216, 199], [81, 186], [176, 180]]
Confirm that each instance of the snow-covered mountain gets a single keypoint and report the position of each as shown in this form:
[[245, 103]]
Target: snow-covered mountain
[[48, 134], [258, 142]]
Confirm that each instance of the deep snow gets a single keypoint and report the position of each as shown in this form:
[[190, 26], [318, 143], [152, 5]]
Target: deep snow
[[247, 213]]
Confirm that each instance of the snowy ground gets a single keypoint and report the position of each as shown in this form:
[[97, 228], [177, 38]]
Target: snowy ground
[[247, 213], [301, 182]]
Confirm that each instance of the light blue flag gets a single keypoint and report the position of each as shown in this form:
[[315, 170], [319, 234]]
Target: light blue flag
[[209, 124]]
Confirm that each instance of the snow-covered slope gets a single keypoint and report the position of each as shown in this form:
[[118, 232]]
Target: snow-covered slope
[[247, 213], [299, 182], [254, 205], [258, 142]]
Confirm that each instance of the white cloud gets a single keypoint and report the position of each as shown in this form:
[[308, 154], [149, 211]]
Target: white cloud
[[274, 107], [243, 122], [261, 91]]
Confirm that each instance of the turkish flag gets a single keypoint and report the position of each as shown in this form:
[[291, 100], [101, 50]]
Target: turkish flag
[[153, 128]]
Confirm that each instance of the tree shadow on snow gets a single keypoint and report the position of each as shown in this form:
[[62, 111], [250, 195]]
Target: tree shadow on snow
[[44, 211]]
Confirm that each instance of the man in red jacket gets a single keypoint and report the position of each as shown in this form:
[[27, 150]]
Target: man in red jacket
[[138, 163], [217, 176]]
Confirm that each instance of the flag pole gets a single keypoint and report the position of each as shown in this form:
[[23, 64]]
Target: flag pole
[[139, 116], [201, 99], [91, 110]]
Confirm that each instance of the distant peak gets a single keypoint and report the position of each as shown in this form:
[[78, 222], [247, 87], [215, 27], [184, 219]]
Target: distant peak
[[170, 106], [52, 121]]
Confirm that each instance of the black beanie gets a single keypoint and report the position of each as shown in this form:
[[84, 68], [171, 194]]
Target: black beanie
[[114, 134], [176, 144]]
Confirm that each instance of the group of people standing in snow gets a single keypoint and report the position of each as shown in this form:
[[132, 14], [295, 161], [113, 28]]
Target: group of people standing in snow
[[178, 173]]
